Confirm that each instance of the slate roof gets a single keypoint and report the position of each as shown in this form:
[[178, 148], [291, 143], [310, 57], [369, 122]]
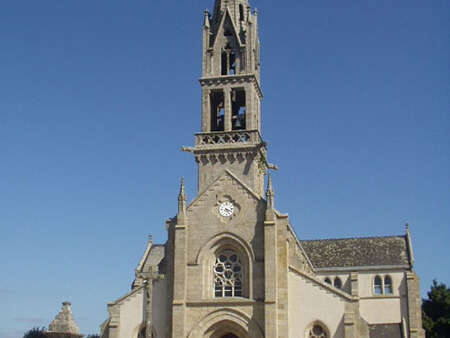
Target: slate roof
[[349, 252], [385, 331]]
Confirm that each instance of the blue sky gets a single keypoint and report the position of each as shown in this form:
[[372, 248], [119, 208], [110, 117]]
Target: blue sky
[[96, 98]]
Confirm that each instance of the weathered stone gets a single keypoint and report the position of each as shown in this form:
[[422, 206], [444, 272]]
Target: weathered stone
[[64, 326]]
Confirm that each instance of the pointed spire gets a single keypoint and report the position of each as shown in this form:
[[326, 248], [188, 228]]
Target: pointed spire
[[182, 195], [410, 248], [150, 239], [206, 23], [269, 191], [270, 215], [181, 217]]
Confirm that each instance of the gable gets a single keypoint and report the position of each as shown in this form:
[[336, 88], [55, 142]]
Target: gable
[[227, 31], [205, 221]]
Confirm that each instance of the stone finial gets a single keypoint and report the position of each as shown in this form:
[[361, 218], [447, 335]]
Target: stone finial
[[182, 195], [269, 191], [269, 200], [64, 321], [206, 23], [181, 217], [150, 239]]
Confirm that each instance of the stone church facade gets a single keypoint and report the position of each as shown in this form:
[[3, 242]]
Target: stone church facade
[[232, 266]]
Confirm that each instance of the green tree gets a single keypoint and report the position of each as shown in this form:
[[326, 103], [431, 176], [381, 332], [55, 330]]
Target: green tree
[[35, 332], [436, 311]]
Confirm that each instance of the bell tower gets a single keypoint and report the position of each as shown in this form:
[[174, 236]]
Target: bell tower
[[231, 97]]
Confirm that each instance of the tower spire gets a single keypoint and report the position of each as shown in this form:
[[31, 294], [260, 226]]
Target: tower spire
[[231, 97]]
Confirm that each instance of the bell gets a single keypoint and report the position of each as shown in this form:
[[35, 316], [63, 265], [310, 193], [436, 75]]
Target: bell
[[238, 124]]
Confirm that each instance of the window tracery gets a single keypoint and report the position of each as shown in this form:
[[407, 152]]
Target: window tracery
[[317, 331], [382, 285], [228, 275]]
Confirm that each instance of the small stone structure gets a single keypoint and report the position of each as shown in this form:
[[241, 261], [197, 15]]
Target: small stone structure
[[64, 326]]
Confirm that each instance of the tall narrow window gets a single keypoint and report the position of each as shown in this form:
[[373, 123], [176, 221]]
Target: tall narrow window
[[228, 61], [338, 283], [241, 12], [238, 109], [378, 286], [217, 110], [388, 285], [228, 275]]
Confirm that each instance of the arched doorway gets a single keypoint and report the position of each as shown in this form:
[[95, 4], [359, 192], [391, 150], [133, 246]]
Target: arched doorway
[[226, 329]]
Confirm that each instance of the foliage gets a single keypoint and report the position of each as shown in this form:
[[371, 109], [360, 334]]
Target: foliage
[[436, 311], [35, 332], [93, 336]]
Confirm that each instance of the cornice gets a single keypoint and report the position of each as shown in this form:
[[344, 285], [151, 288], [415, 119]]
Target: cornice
[[232, 79]]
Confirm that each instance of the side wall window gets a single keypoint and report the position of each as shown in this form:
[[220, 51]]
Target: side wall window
[[388, 285], [383, 285], [338, 283], [377, 286]]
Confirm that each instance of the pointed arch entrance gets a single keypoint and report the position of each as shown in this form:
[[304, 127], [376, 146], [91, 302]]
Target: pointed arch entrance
[[230, 335], [226, 329], [226, 323]]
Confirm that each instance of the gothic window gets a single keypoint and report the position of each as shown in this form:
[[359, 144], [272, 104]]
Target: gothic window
[[241, 12], [317, 331], [228, 275], [228, 60], [378, 286], [338, 283], [238, 109], [327, 280], [387, 285], [217, 102]]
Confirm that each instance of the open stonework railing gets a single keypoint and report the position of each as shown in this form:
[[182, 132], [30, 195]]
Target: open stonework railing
[[228, 137]]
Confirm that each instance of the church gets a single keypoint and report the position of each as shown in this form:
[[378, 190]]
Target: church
[[232, 265]]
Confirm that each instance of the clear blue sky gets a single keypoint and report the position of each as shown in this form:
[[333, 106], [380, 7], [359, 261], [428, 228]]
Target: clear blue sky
[[96, 98]]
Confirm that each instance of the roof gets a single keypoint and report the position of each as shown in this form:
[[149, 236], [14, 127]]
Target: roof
[[357, 252], [385, 331]]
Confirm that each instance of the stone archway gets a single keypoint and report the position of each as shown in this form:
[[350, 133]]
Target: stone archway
[[226, 329], [226, 323]]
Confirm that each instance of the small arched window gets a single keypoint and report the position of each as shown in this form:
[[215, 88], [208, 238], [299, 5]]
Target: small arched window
[[317, 331], [388, 285], [378, 286], [327, 280], [228, 275], [338, 283]]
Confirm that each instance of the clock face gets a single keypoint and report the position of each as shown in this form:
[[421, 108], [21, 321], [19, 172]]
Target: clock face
[[226, 209]]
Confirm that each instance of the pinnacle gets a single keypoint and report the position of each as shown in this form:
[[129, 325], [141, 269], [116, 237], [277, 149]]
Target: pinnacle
[[182, 195], [269, 191]]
